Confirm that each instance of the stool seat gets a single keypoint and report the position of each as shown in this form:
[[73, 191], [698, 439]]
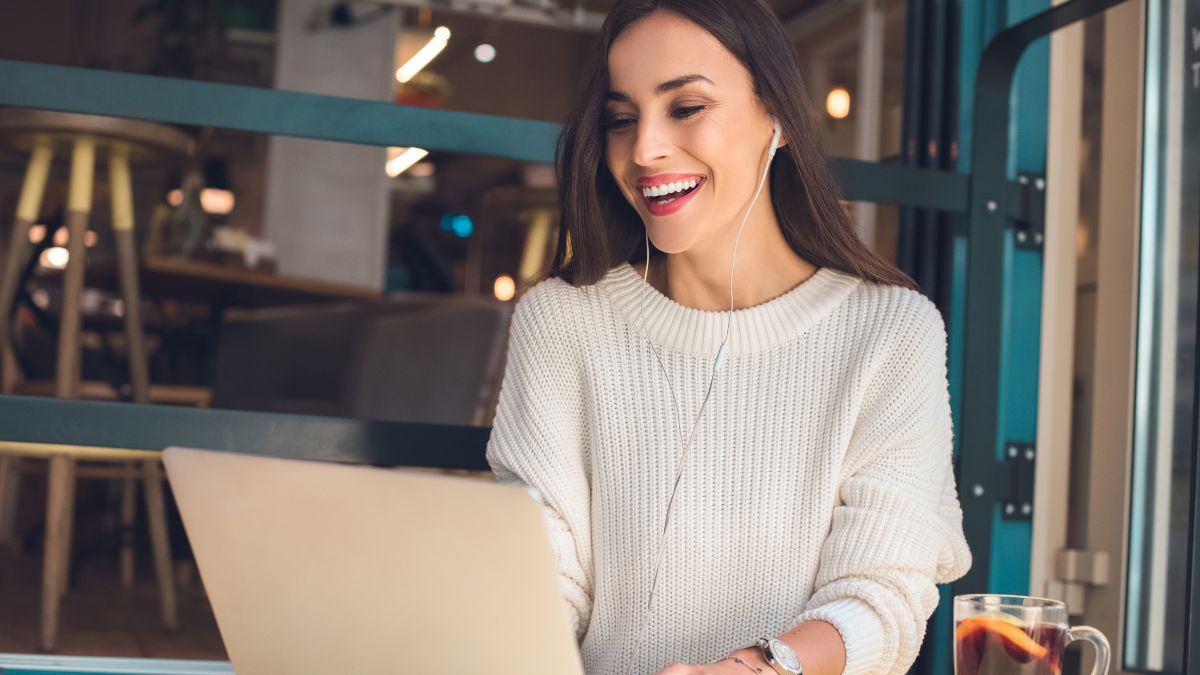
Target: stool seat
[[148, 142]]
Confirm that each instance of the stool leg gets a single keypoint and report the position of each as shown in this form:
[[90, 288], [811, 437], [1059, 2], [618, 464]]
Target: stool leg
[[127, 266], [157, 516], [67, 536], [56, 557], [28, 206], [79, 206], [9, 471], [128, 513], [9, 372]]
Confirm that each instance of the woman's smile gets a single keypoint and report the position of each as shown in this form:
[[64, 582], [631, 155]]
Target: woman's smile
[[667, 198]]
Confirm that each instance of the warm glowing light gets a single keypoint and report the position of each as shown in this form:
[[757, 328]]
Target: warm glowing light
[[504, 288], [426, 54], [485, 53], [212, 200], [421, 170], [216, 202], [402, 159], [838, 103], [55, 258], [37, 233], [62, 236]]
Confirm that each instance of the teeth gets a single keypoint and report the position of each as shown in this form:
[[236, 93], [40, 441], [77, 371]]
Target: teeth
[[668, 188]]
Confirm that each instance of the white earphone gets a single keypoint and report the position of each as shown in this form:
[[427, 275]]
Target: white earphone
[[774, 140], [718, 362]]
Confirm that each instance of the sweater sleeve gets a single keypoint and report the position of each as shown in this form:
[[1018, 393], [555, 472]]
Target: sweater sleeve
[[537, 438], [896, 530]]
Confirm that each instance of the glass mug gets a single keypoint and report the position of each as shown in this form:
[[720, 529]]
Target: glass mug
[[1017, 635]]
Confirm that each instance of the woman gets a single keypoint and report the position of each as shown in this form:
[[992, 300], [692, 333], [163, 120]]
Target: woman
[[744, 467]]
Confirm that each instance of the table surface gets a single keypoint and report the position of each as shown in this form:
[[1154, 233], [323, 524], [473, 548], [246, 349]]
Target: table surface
[[197, 281]]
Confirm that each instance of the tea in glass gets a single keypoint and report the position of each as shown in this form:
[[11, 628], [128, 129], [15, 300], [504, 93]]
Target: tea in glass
[[1016, 635]]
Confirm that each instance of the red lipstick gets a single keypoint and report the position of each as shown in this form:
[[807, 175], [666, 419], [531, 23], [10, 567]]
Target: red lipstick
[[654, 205]]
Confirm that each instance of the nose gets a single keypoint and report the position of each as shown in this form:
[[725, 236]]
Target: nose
[[651, 143]]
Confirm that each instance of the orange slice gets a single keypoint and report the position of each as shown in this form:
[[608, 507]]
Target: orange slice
[[1017, 642]]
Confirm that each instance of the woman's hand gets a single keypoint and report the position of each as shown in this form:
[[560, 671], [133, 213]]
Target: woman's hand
[[751, 662]]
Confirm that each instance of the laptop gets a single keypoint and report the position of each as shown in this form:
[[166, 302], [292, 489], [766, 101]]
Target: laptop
[[325, 568]]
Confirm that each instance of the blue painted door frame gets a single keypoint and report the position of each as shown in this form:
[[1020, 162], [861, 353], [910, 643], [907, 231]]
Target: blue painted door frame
[[1010, 547], [1021, 312]]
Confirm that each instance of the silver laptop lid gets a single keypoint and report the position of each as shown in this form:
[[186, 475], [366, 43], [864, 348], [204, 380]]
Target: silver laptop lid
[[324, 568]]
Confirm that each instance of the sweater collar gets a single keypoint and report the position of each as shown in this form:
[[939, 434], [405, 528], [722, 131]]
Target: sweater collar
[[752, 329]]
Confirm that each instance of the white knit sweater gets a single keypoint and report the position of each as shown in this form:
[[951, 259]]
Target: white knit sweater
[[819, 486]]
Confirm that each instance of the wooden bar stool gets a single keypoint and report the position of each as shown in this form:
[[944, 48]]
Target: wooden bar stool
[[60, 503], [42, 134]]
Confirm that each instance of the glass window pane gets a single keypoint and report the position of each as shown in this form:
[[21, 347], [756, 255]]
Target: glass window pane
[[1164, 408]]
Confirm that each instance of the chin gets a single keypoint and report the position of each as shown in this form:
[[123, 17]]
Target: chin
[[670, 244], [671, 250]]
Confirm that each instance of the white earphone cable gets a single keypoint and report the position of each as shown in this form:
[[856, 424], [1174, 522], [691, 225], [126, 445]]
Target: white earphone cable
[[717, 363]]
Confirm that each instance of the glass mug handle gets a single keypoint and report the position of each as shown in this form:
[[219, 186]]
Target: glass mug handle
[[1089, 634]]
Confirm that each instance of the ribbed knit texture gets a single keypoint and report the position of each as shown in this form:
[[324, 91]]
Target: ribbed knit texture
[[819, 486]]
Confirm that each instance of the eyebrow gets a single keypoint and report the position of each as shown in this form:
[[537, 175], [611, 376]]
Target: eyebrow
[[663, 88]]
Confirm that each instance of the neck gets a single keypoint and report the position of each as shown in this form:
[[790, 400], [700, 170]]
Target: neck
[[766, 267]]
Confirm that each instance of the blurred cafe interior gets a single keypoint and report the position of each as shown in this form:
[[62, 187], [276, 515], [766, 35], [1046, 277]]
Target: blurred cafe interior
[[301, 227]]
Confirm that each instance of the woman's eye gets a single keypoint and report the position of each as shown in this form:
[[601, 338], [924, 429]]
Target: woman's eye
[[684, 113], [614, 123], [618, 123]]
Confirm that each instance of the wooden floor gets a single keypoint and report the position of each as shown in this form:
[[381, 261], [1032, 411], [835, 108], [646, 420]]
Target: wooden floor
[[99, 618]]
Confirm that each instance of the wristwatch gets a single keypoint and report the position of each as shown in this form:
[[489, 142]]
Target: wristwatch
[[780, 656]]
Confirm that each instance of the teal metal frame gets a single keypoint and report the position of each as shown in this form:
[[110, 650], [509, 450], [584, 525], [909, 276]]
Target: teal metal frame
[[271, 111], [151, 427], [330, 118]]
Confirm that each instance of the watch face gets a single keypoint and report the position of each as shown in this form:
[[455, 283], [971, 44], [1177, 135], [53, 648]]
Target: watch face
[[786, 657]]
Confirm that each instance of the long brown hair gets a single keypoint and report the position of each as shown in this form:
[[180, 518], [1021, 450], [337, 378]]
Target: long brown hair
[[606, 231]]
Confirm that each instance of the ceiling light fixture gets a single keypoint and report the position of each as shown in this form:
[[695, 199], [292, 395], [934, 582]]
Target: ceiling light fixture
[[423, 56], [402, 159], [485, 53]]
